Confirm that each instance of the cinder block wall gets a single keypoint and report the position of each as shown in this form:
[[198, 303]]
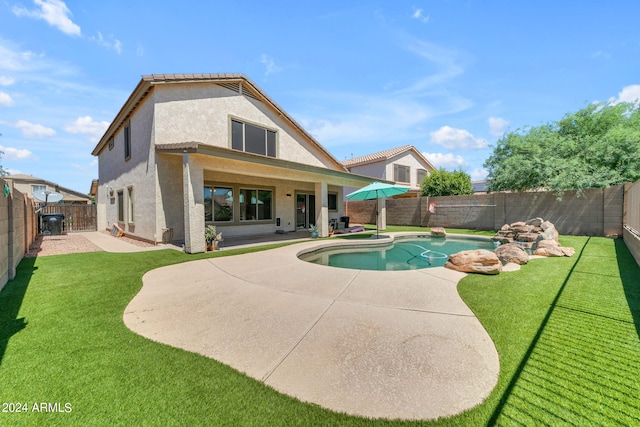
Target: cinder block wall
[[596, 212], [18, 229], [631, 214]]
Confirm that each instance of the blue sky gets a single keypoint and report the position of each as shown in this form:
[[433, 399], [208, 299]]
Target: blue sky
[[449, 77]]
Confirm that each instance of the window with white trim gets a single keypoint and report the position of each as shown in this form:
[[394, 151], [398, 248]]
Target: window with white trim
[[253, 139]]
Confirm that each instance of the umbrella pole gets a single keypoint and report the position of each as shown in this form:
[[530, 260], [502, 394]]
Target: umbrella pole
[[377, 214]]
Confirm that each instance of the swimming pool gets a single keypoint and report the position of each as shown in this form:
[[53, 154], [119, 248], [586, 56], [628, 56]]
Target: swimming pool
[[401, 253]]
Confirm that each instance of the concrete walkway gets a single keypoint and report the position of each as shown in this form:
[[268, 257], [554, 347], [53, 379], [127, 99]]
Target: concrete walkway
[[114, 244], [397, 344]]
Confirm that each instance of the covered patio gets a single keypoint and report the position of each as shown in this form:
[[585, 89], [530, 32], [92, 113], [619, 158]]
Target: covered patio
[[244, 194]]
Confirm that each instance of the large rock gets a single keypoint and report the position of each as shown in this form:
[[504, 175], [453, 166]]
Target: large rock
[[511, 253], [475, 261], [548, 248], [438, 232], [535, 222], [549, 231]]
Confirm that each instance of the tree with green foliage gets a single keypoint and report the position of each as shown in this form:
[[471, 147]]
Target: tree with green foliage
[[2, 171], [598, 146], [445, 183]]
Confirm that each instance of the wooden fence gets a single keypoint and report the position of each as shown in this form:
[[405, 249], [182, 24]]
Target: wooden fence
[[77, 217]]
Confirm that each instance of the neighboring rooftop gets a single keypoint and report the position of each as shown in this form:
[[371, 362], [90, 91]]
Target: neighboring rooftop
[[69, 194], [384, 155]]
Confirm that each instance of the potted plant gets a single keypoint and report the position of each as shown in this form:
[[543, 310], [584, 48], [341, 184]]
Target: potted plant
[[314, 231], [210, 236]]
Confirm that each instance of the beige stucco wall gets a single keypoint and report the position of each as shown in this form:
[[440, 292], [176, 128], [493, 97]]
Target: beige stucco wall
[[202, 113], [406, 159], [139, 171]]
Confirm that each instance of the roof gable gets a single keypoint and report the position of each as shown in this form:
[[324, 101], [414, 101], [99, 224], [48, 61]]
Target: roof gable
[[237, 82], [383, 156]]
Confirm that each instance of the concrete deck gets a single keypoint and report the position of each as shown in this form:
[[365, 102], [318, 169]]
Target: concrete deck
[[398, 344]]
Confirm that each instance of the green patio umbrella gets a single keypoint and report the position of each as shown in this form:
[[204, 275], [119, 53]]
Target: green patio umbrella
[[377, 190]]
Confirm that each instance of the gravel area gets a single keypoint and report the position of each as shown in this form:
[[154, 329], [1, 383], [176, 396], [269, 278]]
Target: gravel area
[[70, 243]]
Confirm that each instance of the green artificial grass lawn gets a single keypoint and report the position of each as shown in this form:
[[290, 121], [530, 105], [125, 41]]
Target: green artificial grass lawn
[[567, 331]]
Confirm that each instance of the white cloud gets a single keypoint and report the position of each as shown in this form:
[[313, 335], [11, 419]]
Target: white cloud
[[5, 99], [32, 130], [55, 12], [6, 81], [446, 160], [11, 153], [269, 64], [420, 16], [112, 43], [478, 174], [629, 93], [497, 125], [457, 139], [87, 126]]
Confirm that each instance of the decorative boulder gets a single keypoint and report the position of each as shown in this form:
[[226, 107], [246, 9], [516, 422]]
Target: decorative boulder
[[535, 222], [548, 248], [511, 253], [549, 231], [438, 232], [475, 261]]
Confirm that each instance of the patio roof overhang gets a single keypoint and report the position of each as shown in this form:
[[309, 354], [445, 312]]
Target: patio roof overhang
[[239, 162]]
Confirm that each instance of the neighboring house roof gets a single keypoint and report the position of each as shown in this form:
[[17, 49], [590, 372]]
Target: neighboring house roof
[[385, 155], [236, 82], [480, 186], [70, 195]]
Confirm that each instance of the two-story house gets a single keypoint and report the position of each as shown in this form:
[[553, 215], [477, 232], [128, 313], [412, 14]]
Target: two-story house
[[186, 150]]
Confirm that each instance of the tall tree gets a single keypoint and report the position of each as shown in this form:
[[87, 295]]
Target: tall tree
[[598, 146], [445, 183]]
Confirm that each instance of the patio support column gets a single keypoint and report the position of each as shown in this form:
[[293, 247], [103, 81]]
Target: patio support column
[[322, 208], [193, 199], [382, 215]]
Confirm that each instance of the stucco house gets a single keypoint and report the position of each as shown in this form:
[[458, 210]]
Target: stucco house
[[27, 184], [187, 150], [402, 165]]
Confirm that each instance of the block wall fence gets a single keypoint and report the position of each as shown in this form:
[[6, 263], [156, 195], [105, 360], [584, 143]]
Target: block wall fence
[[18, 229]]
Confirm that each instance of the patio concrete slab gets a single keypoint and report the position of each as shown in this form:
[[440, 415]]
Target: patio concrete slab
[[376, 344], [390, 363], [406, 290]]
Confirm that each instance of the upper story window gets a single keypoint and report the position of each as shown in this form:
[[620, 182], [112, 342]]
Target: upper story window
[[401, 173], [127, 141], [252, 139], [422, 174]]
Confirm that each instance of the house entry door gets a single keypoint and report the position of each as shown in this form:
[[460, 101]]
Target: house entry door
[[305, 210]]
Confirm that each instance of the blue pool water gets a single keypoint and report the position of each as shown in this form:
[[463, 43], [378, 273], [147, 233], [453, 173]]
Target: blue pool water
[[402, 254]]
